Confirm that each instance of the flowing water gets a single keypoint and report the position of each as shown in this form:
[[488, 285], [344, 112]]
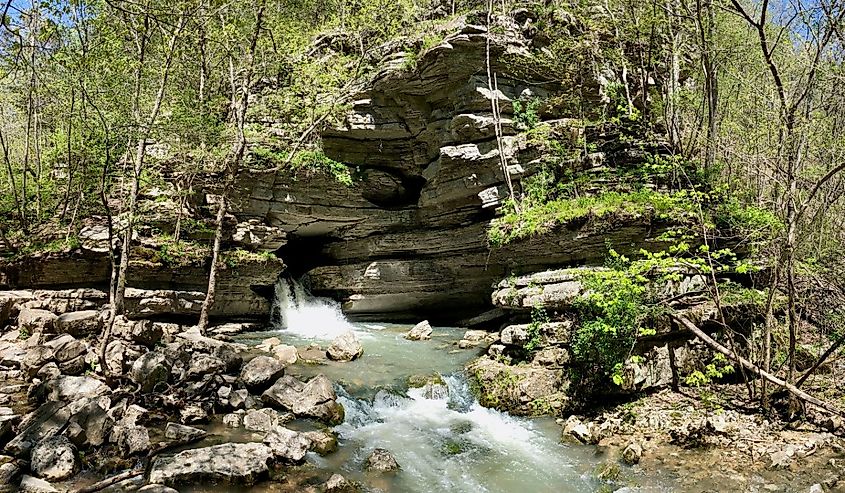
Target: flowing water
[[441, 437]]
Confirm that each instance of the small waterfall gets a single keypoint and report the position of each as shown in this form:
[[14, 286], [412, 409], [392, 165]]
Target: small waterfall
[[299, 313]]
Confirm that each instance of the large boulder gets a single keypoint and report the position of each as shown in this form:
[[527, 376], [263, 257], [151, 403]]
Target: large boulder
[[287, 445], [70, 388], [54, 459], [69, 353], [120, 355], [205, 364], [260, 372], [315, 399], [35, 320], [44, 422], [94, 422], [150, 370], [230, 463], [175, 431], [420, 332], [345, 347], [79, 323], [140, 331], [30, 484]]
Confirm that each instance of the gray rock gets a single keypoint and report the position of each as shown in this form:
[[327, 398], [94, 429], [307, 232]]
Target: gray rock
[[420, 332], [35, 320], [263, 420], [286, 354], [339, 484], [515, 335], [175, 431], [44, 422], [345, 347], [315, 399], [204, 364], [139, 331], [193, 414], [54, 459], [150, 370], [120, 355], [230, 463], [232, 420], [9, 473], [261, 372], [79, 323], [632, 453], [132, 439], [95, 423], [69, 353], [322, 442], [287, 445], [156, 488], [381, 460], [239, 398], [30, 484], [71, 388], [49, 371]]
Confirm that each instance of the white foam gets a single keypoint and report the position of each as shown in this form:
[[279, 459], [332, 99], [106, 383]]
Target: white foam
[[307, 316]]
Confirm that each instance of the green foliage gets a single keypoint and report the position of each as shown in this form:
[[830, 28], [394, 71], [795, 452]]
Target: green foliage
[[538, 318], [718, 368], [238, 256], [309, 161], [525, 115]]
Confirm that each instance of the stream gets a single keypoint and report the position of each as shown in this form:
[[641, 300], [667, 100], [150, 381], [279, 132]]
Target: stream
[[443, 439]]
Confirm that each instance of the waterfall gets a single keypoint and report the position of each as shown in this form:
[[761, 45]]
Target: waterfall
[[298, 312]]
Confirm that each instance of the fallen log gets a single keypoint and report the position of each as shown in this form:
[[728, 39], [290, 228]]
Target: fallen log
[[101, 485], [826, 406]]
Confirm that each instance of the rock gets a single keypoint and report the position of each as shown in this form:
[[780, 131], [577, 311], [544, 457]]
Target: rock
[[156, 488], [816, 488], [193, 414], [175, 431], [515, 335], [204, 364], [49, 371], [150, 370], [339, 484], [632, 453], [54, 459], [345, 347], [315, 399], [261, 372], [263, 420], [120, 355], [232, 420], [9, 472], [140, 331], [70, 388], [286, 354], [132, 439], [380, 460], [287, 445], [322, 442], [230, 463], [420, 332], [35, 485], [94, 422], [34, 320], [81, 323], [578, 430], [69, 353], [239, 398], [35, 358], [42, 423], [781, 459]]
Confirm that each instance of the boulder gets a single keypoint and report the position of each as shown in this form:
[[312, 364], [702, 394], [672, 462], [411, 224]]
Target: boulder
[[71, 388], [514, 335], [35, 358], [205, 364], [9, 473], [175, 431], [260, 420], [322, 442], [230, 463], [381, 460], [94, 421], [35, 320], [286, 354], [150, 370], [345, 347], [339, 484], [420, 332], [140, 331], [260, 372], [44, 422], [69, 354], [120, 355], [315, 399], [232, 420], [131, 438], [79, 323], [287, 445], [30, 484], [632, 453], [49, 371], [54, 459], [193, 413]]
